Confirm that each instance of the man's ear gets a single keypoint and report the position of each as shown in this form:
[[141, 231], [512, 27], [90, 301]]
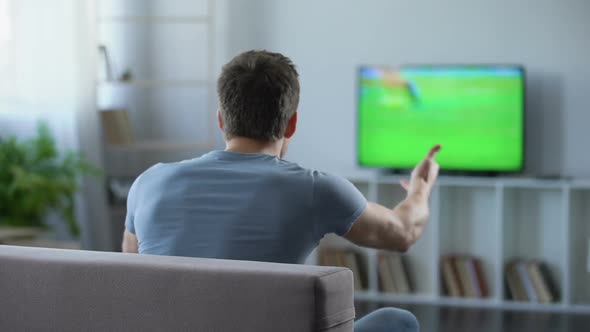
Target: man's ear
[[291, 126], [219, 120]]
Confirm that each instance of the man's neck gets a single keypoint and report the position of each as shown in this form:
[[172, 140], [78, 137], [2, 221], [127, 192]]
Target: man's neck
[[248, 145]]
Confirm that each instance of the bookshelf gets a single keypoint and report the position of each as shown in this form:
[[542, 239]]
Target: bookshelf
[[161, 72], [496, 220]]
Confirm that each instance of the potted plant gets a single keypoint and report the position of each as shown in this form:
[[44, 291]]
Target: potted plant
[[36, 179]]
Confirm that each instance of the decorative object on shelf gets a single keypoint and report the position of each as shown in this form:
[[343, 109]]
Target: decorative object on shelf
[[345, 258], [530, 281], [117, 126], [105, 63], [118, 188], [463, 276], [393, 273], [36, 179], [127, 76]]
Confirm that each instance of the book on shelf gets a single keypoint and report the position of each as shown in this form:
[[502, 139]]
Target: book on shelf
[[393, 273], [351, 262], [549, 281], [541, 288], [515, 283], [464, 279], [527, 282], [481, 280], [530, 281], [450, 282], [463, 276], [345, 258], [385, 276], [116, 126]]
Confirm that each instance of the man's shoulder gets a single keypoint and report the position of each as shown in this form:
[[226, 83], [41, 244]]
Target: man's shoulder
[[157, 170], [175, 165]]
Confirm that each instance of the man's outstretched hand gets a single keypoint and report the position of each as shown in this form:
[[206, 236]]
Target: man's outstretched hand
[[399, 228], [423, 176]]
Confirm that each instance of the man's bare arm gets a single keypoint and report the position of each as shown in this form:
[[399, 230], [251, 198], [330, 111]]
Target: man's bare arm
[[399, 228], [130, 244]]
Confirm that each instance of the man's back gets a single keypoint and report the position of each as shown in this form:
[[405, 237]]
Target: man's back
[[239, 206]]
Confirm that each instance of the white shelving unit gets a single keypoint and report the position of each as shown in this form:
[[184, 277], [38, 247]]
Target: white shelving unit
[[496, 220], [169, 47]]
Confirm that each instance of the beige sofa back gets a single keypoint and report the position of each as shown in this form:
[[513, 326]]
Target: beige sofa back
[[69, 290]]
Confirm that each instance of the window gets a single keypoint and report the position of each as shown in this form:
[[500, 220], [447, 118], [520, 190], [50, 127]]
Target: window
[[5, 23], [7, 51]]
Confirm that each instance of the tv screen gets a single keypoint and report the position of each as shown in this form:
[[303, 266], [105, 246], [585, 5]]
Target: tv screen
[[475, 112]]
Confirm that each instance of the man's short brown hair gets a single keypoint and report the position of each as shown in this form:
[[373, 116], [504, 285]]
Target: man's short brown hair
[[258, 94]]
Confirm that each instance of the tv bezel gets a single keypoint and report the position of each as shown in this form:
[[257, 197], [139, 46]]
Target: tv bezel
[[520, 67]]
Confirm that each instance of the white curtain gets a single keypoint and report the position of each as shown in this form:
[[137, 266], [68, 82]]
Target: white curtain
[[46, 74], [40, 66]]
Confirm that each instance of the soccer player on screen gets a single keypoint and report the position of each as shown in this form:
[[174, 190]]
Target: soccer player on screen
[[394, 79], [391, 79], [246, 202]]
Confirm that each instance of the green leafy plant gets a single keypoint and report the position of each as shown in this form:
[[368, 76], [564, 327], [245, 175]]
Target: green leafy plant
[[36, 179]]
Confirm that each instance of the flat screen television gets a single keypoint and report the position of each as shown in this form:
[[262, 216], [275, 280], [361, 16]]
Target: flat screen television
[[475, 112]]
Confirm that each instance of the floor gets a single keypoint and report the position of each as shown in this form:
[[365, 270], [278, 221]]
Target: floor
[[449, 319]]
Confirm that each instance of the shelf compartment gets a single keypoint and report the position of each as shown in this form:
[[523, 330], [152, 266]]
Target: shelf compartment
[[155, 19], [362, 186], [336, 251], [534, 230], [150, 8], [579, 246], [470, 226], [117, 214], [157, 83], [131, 162], [155, 112], [170, 52], [421, 261], [158, 146]]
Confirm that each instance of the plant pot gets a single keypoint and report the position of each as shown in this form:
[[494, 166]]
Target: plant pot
[[33, 237], [11, 233]]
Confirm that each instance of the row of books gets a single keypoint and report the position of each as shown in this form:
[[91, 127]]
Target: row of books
[[463, 276], [530, 281], [393, 274], [393, 269], [349, 259]]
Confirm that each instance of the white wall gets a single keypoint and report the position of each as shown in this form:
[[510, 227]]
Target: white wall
[[328, 39]]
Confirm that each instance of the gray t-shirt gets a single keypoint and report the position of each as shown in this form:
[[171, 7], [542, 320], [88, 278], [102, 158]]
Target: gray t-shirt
[[239, 206]]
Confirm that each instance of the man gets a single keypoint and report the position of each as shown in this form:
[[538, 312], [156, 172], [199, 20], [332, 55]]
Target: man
[[247, 203]]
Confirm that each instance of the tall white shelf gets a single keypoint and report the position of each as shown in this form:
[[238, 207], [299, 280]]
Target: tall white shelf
[[496, 220], [170, 47]]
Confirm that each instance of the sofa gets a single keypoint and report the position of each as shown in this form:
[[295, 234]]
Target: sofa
[[73, 290]]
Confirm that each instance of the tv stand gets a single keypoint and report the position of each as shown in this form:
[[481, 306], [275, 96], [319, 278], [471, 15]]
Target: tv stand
[[470, 174], [407, 172]]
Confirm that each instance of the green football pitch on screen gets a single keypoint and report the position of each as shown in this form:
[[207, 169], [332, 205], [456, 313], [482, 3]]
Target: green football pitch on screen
[[475, 113]]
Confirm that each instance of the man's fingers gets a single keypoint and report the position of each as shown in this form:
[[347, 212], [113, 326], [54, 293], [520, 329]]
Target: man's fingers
[[405, 184], [433, 151], [433, 171]]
